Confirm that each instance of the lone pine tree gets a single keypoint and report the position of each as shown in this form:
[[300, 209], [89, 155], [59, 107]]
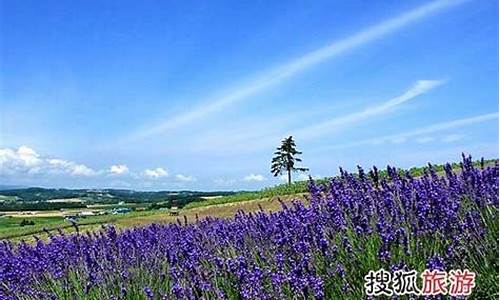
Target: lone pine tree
[[285, 158]]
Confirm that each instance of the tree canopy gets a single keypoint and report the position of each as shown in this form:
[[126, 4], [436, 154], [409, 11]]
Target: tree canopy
[[285, 158]]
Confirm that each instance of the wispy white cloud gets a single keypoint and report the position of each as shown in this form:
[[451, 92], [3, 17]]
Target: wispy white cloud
[[228, 140], [399, 140], [418, 132], [452, 138], [420, 88], [185, 178], [425, 139], [449, 125], [281, 73], [254, 177]]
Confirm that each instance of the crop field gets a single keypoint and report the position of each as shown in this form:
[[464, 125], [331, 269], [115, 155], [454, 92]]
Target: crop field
[[52, 222], [319, 248]]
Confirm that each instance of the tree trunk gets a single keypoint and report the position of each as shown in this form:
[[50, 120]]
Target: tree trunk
[[289, 176]]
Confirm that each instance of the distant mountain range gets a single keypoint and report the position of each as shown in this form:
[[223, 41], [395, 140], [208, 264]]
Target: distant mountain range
[[99, 195]]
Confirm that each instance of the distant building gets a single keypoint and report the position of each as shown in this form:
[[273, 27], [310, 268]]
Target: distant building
[[86, 213], [66, 200], [71, 219], [121, 210], [174, 211]]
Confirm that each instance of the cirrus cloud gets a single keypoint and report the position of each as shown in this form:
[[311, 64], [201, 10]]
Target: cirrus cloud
[[281, 73], [452, 138], [425, 139]]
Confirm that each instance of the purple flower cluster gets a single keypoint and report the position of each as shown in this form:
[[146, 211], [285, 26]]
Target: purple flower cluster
[[315, 250]]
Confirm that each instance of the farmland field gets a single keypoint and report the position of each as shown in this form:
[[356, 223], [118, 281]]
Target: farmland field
[[51, 220], [222, 206], [319, 248]]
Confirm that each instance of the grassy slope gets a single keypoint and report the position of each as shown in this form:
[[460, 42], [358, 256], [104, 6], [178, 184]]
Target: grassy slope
[[223, 207], [301, 187], [17, 233]]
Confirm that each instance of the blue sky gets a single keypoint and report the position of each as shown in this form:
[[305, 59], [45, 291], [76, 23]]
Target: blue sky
[[196, 95]]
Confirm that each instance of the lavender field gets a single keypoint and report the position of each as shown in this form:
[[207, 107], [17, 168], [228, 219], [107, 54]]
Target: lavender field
[[318, 250]]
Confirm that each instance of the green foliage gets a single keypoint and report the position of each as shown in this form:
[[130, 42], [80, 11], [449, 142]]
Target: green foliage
[[285, 158], [25, 222], [105, 196], [10, 226], [23, 206], [10, 229], [36, 198]]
